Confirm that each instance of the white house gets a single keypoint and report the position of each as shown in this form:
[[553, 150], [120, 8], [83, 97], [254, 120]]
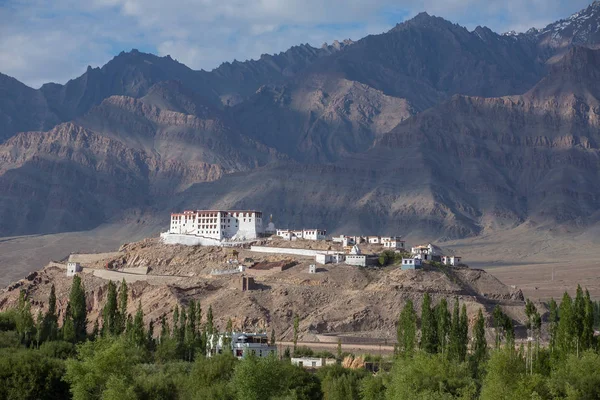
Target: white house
[[392, 242], [308, 234], [451, 260], [374, 239], [326, 258], [240, 344], [73, 268], [312, 269], [312, 362], [411, 263], [218, 224], [426, 252]]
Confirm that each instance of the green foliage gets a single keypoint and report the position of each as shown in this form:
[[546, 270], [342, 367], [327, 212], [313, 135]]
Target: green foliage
[[30, 374], [111, 317], [8, 320], [372, 387], [296, 331], [479, 349], [338, 383], [577, 377], [78, 309], [429, 335], [122, 315], [566, 330], [265, 378], [390, 257], [443, 324], [430, 377], [407, 330], [104, 364]]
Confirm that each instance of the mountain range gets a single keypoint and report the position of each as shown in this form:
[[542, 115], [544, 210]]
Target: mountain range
[[428, 129]]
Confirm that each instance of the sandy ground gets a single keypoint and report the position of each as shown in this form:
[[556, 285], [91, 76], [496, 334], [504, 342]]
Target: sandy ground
[[21, 255], [543, 264]]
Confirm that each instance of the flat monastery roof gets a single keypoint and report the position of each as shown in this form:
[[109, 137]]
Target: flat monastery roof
[[223, 211]]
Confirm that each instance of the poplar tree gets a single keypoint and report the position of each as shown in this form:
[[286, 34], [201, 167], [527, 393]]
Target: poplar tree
[[553, 319], [587, 336], [198, 319], [407, 330], [68, 329], [123, 315], [296, 331], [110, 313], [463, 334], [51, 319], [164, 329], [138, 333], [39, 329], [566, 326], [24, 320], [499, 324], [210, 327], [175, 330], [272, 337], [455, 334], [578, 318], [479, 353], [443, 325], [429, 337], [78, 309], [150, 342]]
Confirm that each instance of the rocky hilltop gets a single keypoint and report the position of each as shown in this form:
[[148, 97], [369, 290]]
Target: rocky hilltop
[[428, 129], [338, 299]]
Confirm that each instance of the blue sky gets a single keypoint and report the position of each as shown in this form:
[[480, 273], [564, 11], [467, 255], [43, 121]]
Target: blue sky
[[53, 41]]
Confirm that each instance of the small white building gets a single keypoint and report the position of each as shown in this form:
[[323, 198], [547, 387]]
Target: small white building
[[312, 269], [307, 234], [426, 252], [451, 260], [73, 268], [411, 263], [326, 258], [360, 260], [312, 362], [392, 242], [374, 239], [240, 344]]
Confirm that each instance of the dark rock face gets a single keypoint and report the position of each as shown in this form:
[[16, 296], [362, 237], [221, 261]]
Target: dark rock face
[[427, 128]]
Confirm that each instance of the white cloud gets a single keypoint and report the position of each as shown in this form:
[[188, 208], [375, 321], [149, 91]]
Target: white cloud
[[53, 41]]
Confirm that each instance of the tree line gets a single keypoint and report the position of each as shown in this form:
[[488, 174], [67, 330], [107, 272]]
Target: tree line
[[440, 354]]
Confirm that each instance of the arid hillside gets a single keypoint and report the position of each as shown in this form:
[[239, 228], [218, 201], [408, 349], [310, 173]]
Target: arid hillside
[[338, 299]]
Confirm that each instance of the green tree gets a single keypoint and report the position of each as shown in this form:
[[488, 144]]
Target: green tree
[[210, 326], [553, 319], [39, 329], [296, 331], [175, 331], [123, 314], [577, 377], [110, 312], [463, 334], [272, 336], [24, 320], [443, 325], [51, 319], [78, 309], [30, 374], [479, 351], [98, 364], [454, 346], [407, 330], [587, 333], [499, 323], [138, 333], [430, 377], [68, 329], [429, 335], [566, 331], [372, 387]]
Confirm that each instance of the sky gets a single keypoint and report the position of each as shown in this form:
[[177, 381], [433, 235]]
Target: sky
[[54, 41]]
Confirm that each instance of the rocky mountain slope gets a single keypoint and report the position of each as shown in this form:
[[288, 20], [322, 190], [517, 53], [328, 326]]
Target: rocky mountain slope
[[393, 130]]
